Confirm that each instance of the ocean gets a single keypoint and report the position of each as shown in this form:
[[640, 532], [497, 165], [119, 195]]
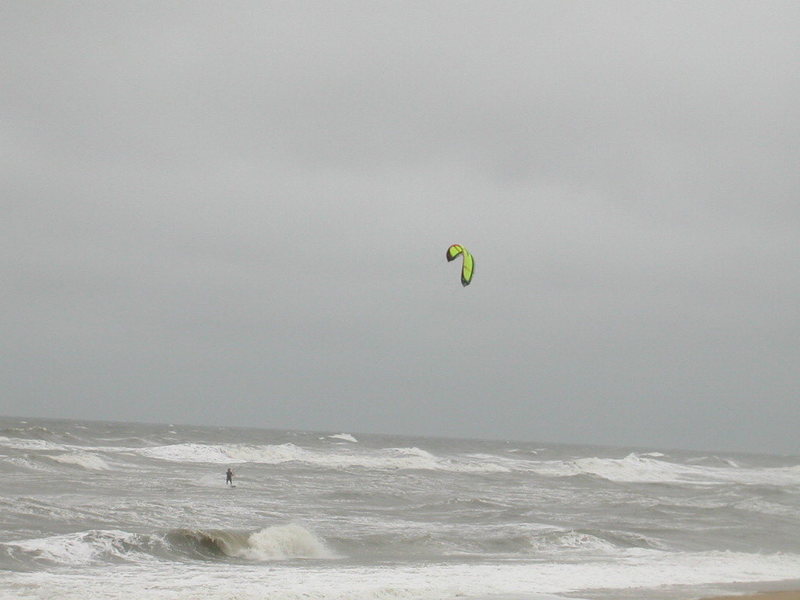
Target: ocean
[[92, 510]]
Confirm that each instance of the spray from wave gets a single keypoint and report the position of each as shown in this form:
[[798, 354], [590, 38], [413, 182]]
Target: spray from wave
[[281, 542]]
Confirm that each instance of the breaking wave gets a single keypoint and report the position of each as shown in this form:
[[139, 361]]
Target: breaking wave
[[30, 444], [643, 468], [282, 542], [508, 542], [294, 542], [81, 548], [85, 460], [386, 458]]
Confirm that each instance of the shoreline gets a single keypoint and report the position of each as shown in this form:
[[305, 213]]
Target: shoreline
[[776, 595]]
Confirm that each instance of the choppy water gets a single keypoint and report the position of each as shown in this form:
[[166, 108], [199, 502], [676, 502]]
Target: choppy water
[[113, 510]]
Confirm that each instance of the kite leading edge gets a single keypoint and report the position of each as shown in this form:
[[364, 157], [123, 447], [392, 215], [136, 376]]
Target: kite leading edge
[[467, 265]]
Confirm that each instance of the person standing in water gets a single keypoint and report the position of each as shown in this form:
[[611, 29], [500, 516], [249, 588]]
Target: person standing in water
[[229, 477]]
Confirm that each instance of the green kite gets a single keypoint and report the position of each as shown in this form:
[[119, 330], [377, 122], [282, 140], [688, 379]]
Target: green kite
[[467, 266]]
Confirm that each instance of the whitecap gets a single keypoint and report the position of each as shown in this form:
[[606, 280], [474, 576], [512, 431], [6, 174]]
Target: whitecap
[[80, 548], [636, 468], [278, 542], [30, 444], [283, 542], [342, 458], [82, 459]]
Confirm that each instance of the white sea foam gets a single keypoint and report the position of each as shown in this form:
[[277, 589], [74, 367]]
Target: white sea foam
[[283, 542], [274, 543], [636, 468], [188, 452], [387, 458], [572, 541], [80, 548], [343, 436], [25, 463], [30, 444], [404, 582], [632, 468], [81, 459]]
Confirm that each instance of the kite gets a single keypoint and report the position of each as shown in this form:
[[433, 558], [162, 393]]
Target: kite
[[467, 266]]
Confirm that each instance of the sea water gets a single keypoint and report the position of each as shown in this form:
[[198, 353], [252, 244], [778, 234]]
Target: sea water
[[121, 510]]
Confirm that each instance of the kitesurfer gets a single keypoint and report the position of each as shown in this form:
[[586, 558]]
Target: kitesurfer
[[229, 477]]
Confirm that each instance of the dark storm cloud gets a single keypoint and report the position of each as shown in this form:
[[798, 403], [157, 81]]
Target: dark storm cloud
[[238, 213]]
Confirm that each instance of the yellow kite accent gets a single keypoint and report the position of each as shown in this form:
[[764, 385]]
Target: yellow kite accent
[[467, 266]]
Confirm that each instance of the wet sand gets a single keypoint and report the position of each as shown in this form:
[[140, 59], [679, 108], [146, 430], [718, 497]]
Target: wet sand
[[784, 595]]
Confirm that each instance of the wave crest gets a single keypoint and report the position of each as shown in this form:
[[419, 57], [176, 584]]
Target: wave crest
[[280, 542], [341, 458], [283, 542], [79, 548], [85, 460]]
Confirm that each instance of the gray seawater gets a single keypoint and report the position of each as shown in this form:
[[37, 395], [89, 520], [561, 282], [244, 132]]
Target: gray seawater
[[121, 510]]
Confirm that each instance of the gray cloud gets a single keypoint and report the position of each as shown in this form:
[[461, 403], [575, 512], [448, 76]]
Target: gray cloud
[[238, 214]]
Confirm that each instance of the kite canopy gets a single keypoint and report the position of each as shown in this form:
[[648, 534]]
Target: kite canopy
[[468, 264]]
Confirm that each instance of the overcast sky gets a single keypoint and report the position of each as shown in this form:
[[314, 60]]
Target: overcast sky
[[237, 213]]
